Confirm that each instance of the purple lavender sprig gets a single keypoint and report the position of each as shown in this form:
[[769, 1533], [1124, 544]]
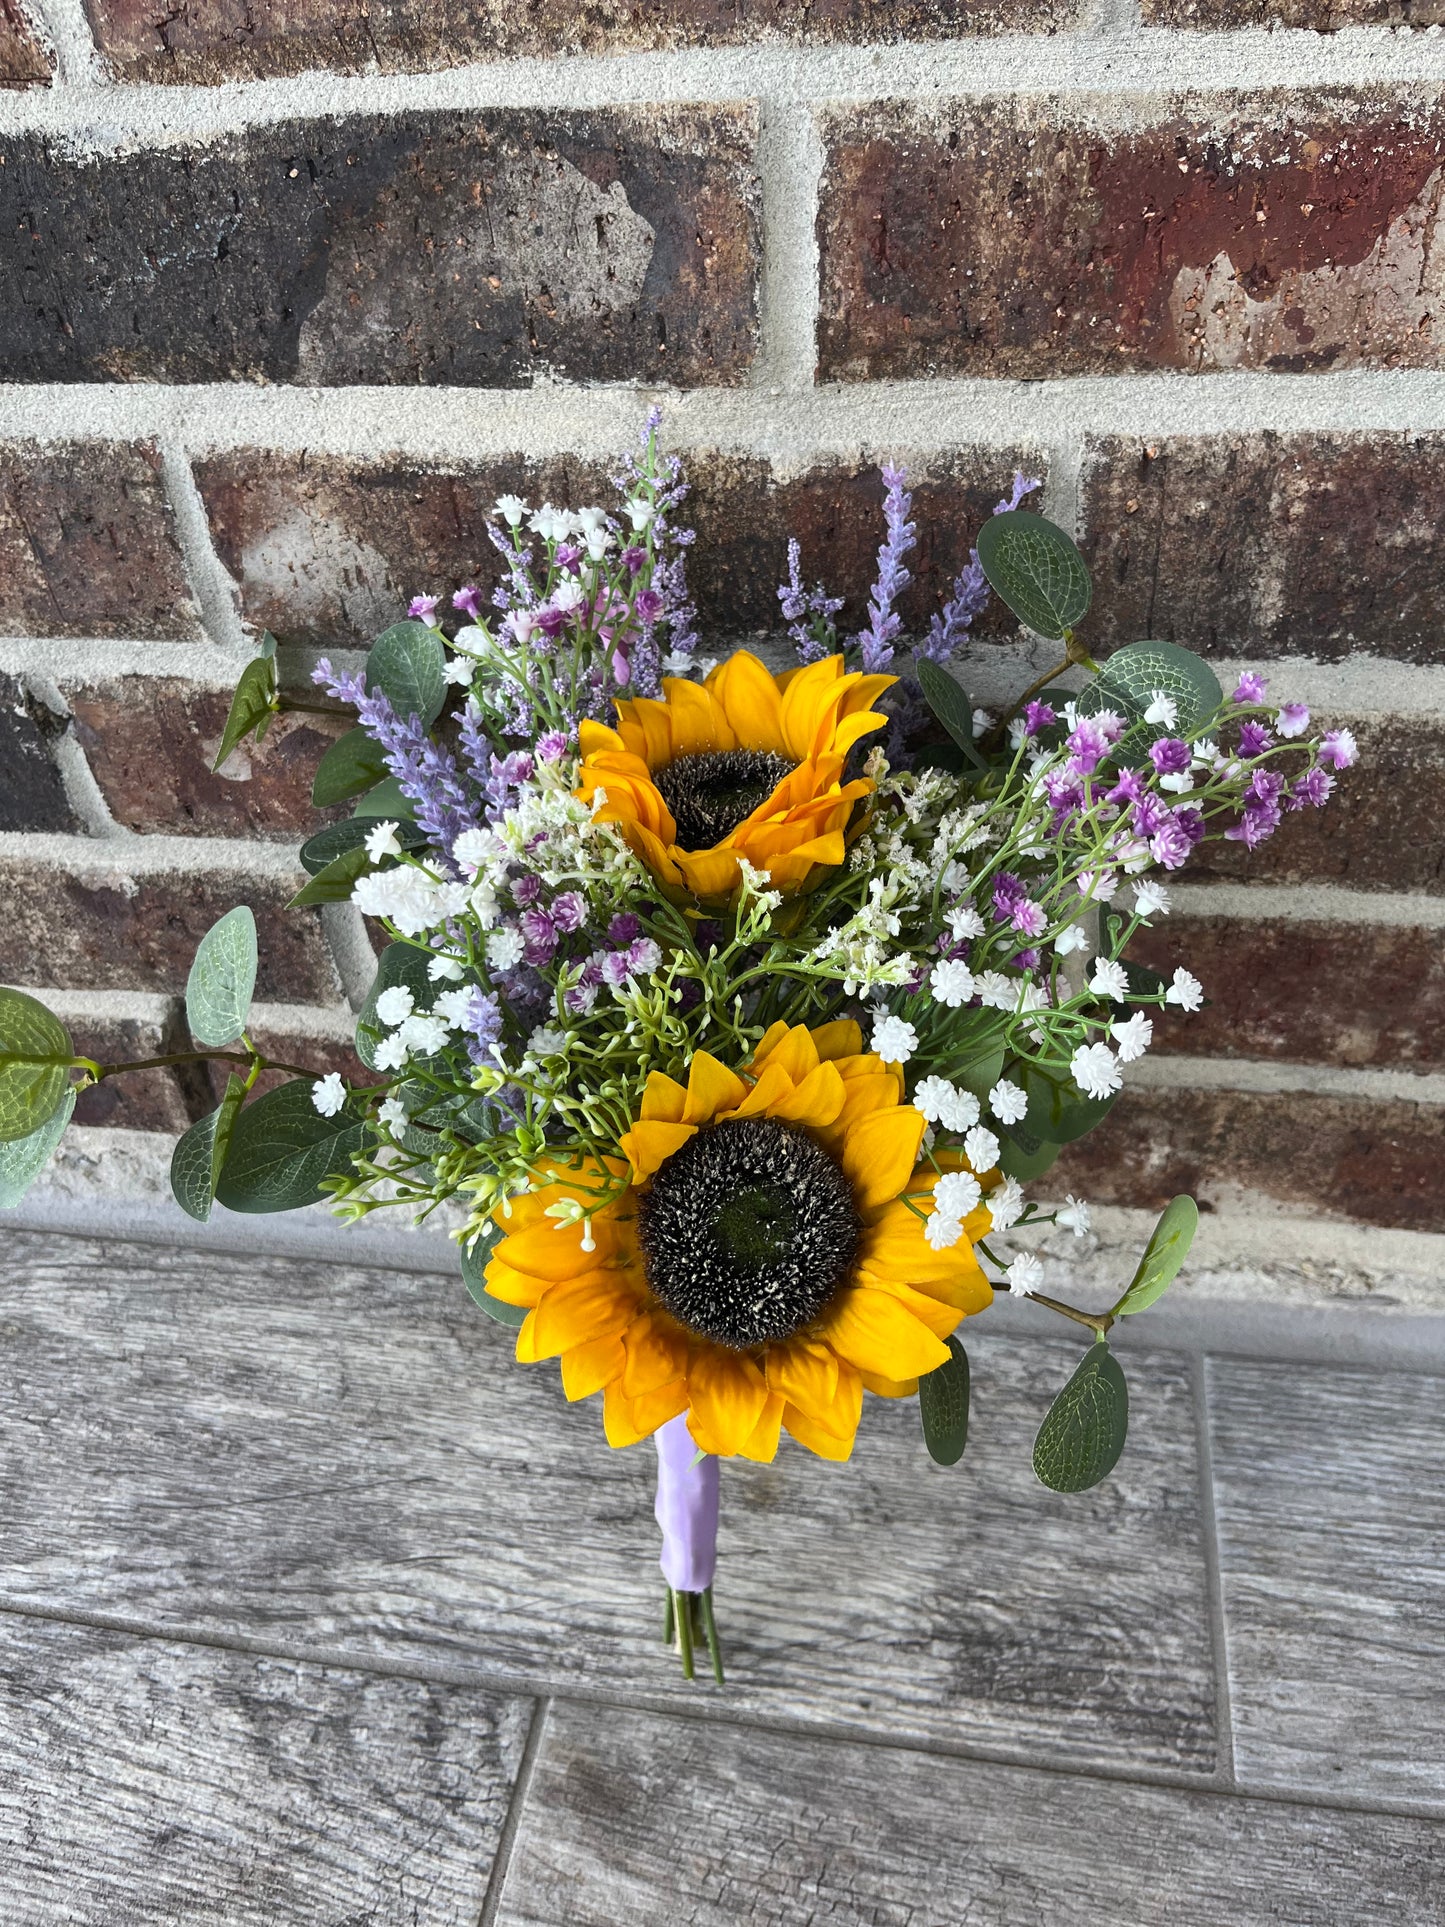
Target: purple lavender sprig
[[426, 773], [970, 589], [884, 624], [809, 613]]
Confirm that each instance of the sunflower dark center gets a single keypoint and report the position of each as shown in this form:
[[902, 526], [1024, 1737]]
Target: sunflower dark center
[[748, 1231], [711, 793]]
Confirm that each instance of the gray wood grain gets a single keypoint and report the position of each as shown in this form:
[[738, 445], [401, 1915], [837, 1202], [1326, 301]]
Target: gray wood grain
[[352, 1459], [1330, 1496], [143, 1782], [673, 1823]]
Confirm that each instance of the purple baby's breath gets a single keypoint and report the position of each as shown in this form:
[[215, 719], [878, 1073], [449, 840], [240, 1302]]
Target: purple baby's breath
[[469, 602], [1254, 739], [1038, 716], [1250, 688]]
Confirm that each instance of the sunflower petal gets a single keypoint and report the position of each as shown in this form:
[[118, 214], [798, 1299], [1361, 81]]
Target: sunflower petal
[[655, 1356], [663, 1101], [750, 700], [816, 1101], [876, 1332], [571, 1314], [888, 1387], [808, 1432], [711, 1087], [842, 1038], [761, 1443], [651, 1144], [587, 1368], [879, 1154], [727, 1394]]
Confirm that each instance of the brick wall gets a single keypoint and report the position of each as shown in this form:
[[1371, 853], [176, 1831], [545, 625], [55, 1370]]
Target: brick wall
[[270, 349]]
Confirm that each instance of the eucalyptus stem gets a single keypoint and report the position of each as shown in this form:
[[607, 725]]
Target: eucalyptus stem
[[1098, 1322], [252, 1060]]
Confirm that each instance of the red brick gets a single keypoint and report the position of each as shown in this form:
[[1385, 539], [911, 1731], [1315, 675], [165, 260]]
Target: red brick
[[493, 248], [1327, 1157], [88, 544], [1367, 837], [154, 1100], [1314, 993], [210, 40], [328, 549], [32, 796], [1033, 239], [1325, 16], [103, 931], [1270, 545], [150, 743], [23, 61]]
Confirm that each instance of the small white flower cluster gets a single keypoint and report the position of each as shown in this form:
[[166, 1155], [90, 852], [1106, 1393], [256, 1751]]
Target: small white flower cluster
[[410, 898], [857, 951]]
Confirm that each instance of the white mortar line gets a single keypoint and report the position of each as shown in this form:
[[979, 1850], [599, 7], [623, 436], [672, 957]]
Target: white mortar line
[[790, 164], [1062, 495], [146, 856], [1258, 1076], [64, 25], [212, 589], [1111, 60], [344, 928], [443, 424], [1308, 903], [71, 663], [329, 1024]]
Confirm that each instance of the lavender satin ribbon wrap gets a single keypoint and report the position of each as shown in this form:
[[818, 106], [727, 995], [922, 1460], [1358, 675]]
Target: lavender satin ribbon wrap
[[687, 1501]]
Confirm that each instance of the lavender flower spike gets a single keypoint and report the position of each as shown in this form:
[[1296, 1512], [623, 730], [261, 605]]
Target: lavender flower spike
[[687, 1508], [970, 590], [876, 641]]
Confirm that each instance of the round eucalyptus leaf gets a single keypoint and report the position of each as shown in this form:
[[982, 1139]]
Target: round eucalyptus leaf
[[282, 1147], [223, 979], [1164, 1254], [1084, 1429], [354, 762], [408, 665], [1037, 570], [22, 1159], [197, 1159], [950, 703], [337, 838], [35, 1054], [943, 1406], [1131, 679]]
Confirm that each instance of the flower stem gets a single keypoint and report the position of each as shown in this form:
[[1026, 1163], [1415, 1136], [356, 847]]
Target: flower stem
[[1099, 1322], [95, 1072]]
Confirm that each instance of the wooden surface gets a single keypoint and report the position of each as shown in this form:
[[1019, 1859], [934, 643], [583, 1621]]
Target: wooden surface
[[353, 1460], [147, 1782], [346, 1546], [652, 1822], [1330, 1493]]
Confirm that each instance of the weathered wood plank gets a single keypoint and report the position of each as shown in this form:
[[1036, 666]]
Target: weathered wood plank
[[143, 1782], [353, 1458], [1330, 1496], [657, 1822]]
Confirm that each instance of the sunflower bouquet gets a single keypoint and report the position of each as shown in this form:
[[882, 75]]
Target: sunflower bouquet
[[727, 1012]]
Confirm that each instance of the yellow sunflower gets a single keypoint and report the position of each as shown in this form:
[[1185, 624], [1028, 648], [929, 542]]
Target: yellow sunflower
[[762, 1267], [747, 764]]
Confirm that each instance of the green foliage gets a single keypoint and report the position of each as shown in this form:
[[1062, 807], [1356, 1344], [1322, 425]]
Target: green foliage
[[1084, 1429], [337, 838], [223, 979], [196, 1161], [353, 763], [1037, 570], [407, 664], [387, 801], [282, 1148], [35, 1057], [1085, 1426], [972, 1051], [943, 1407], [474, 1276], [335, 882], [1024, 1156], [254, 703], [949, 701], [1132, 677], [399, 963], [22, 1159], [1165, 1252], [1058, 1111]]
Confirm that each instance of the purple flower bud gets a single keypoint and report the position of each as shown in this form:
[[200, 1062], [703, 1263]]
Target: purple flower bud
[[1264, 786], [568, 556], [1038, 716], [469, 601], [633, 559], [1254, 739], [422, 608], [643, 956], [616, 969], [568, 911], [1293, 720], [1027, 960], [1170, 755], [1169, 846], [624, 927], [1191, 821], [1128, 789], [1250, 688], [552, 747], [552, 621], [540, 936], [648, 606], [1029, 918], [1008, 891], [1312, 789], [1147, 815], [1337, 748]]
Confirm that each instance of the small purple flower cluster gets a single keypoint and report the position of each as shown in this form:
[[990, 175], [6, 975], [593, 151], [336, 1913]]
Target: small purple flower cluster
[[426, 773]]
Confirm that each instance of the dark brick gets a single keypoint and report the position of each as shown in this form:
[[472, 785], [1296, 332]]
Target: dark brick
[[1329, 1157], [1315, 993], [23, 61], [87, 541], [1261, 231], [1325, 16], [32, 796], [1271, 545], [1378, 832], [107, 932], [328, 549], [496, 248], [150, 743], [152, 1100], [210, 40]]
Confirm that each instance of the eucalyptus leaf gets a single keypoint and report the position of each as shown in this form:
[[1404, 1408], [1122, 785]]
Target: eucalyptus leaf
[[282, 1147], [253, 705], [474, 1276], [1133, 676], [1084, 1429], [337, 838], [970, 1053], [223, 979], [35, 1054], [399, 963], [950, 703], [1165, 1252], [335, 883], [1037, 570], [196, 1161], [1058, 1110], [1024, 1156], [354, 762], [943, 1406], [387, 800], [22, 1159], [408, 665]]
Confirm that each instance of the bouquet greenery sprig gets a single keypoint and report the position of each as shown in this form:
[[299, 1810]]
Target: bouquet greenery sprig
[[731, 1011]]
